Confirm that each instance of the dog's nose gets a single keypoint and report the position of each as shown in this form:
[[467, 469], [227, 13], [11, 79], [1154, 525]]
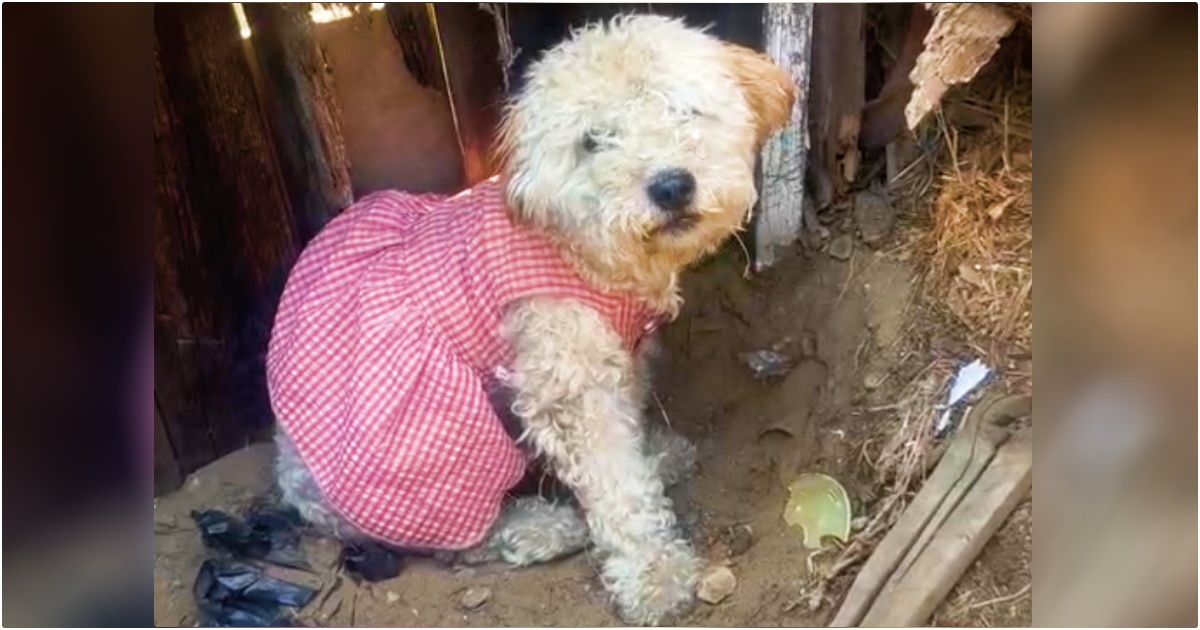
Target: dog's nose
[[672, 189]]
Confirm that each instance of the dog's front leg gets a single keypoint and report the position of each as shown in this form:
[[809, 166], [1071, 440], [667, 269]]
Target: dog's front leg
[[576, 395]]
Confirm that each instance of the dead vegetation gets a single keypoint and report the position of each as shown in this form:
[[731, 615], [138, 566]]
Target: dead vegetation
[[974, 236]]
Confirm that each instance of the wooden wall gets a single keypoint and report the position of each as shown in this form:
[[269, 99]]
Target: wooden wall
[[258, 143]]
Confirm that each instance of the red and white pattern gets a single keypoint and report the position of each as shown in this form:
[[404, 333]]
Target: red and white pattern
[[385, 335]]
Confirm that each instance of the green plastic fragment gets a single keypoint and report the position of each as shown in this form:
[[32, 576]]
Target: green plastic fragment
[[819, 505]]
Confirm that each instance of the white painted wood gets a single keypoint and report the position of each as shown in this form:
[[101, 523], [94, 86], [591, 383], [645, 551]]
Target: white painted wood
[[787, 34]]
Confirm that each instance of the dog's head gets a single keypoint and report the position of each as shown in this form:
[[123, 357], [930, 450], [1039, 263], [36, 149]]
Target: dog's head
[[633, 145]]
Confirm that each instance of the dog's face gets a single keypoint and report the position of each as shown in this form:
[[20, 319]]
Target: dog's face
[[633, 144]]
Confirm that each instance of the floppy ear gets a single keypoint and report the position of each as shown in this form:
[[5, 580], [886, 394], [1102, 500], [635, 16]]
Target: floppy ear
[[769, 89]]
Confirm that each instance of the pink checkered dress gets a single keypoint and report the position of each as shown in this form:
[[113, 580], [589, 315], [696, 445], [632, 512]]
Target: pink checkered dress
[[385, 336]]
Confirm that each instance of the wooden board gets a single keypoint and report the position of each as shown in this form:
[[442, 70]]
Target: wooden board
[[963, 38], [787, 31], [912, 596], [835, 99], [223, 228], [968, 454], [305, 117]]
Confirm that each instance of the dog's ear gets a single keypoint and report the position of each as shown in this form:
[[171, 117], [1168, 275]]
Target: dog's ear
[[769, 88]]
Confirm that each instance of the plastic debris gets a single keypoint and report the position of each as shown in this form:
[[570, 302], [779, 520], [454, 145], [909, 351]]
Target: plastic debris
[[968, 378], [371, 561], [819, 505], [236, 595], [270, 535], [767, 363]]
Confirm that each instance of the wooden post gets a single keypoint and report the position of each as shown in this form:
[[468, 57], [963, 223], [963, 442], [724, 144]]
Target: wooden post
[[301, 105], [835, 100], [787, 32]]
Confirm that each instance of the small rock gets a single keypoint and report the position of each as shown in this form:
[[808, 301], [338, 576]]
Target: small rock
[[873, 380], [716, 584], [874, 215], [475, 597], [392, 598], [841, 247]]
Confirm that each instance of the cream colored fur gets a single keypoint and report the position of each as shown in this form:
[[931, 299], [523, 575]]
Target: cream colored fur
[[601, 114]]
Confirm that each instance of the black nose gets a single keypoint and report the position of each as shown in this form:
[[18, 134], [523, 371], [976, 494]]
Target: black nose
[[672, 189]]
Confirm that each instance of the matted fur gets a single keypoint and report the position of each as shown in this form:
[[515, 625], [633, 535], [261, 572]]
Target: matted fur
[[651, 94], [599, 116]]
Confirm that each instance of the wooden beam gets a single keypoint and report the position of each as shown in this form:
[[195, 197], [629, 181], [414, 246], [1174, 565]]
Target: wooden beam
[[836, 95], [962, 40], [300, 103], [911, 597], [787, 31]]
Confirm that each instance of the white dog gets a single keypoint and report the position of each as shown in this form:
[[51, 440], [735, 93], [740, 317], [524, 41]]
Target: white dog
[[628, 155]]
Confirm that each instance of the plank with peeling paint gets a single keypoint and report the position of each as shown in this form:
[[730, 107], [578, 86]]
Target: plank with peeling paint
[[787, 34]]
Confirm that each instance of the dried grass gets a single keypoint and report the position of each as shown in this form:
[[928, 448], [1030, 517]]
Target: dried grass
[[905, 443], [975, 242]]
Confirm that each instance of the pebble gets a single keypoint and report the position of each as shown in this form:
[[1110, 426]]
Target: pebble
[[841, 248], [475, 597], [716, 584], [392, 598]]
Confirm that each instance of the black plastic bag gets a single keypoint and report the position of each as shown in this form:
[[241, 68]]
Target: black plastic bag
[[267, 534], [372, 561], [235, 595]]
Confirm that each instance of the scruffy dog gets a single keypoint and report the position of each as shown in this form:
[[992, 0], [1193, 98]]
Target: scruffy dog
[[628, 155]]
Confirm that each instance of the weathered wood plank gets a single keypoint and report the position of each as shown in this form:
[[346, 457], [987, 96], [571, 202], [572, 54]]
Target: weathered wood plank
[[787, 36], [305, 116], [969, 453], [836, 95], [226, 224], [961, 41], [912, 596]]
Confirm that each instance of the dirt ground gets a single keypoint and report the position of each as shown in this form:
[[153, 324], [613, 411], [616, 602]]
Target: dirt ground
[[859, 332]]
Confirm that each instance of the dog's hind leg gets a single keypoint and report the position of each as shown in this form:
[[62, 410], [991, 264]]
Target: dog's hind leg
[[299, 490], [531, 530]]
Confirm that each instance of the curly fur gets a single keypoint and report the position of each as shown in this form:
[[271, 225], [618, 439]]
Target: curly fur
[[600, 115], [648, 94]]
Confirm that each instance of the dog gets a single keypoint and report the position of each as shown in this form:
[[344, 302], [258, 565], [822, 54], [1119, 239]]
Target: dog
[[628, 155]]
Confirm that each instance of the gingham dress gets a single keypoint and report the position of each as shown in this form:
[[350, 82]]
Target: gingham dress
[[384, 340]]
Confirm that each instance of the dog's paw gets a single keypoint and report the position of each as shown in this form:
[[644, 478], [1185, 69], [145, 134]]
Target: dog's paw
[[656, 588], [534, 530]]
